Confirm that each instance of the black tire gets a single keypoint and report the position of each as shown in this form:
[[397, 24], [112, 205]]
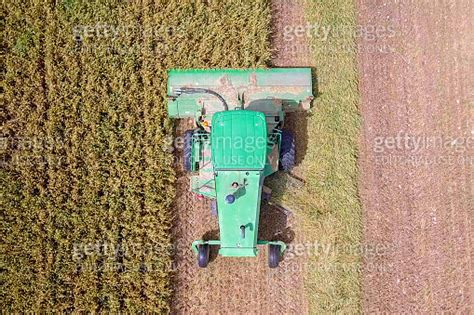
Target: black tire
[[203, 255], [273, 255], [287, 151], [187, 150]]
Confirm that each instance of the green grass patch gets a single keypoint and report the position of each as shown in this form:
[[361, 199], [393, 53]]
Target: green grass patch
[[328, 203], [334, 283]]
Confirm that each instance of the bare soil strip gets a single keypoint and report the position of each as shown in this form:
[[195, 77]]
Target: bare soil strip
[[416, 155]]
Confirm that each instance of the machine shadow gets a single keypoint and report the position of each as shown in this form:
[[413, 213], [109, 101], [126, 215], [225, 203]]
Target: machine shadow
[[274, 224], [214, 250], [275, 221], [297, 122]]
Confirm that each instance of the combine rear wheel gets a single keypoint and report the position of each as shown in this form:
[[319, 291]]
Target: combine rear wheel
[[287, 151]]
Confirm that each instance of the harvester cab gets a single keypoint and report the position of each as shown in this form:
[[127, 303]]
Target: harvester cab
[[238, 140]]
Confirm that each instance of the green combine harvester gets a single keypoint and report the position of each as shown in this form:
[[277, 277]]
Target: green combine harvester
[[238, 140]]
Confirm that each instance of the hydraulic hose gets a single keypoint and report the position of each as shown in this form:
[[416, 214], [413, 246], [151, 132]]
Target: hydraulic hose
[[188, 90]]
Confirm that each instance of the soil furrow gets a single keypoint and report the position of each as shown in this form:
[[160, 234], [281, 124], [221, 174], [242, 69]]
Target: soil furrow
[[416, 157]]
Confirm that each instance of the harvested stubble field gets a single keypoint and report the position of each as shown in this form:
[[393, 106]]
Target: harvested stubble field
[[87, 180], [418, 194]]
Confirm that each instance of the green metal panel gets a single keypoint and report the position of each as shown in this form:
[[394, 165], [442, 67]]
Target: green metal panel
[[273, 154], [202, 182], [239, 140], [285, 77], [184, 106], [244, 211]]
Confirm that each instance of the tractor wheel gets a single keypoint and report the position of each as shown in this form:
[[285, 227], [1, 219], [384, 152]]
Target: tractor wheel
[[187, 150], [203, 255], [287, 151], [273, 255]]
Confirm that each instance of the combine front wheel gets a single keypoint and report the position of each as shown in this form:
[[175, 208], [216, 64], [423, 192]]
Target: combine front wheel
[[203, 255]]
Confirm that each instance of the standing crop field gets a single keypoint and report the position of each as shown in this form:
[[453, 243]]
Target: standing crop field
[[87, 176]]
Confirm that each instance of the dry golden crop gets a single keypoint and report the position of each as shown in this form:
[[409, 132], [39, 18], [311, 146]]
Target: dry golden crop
[[86, 185]]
